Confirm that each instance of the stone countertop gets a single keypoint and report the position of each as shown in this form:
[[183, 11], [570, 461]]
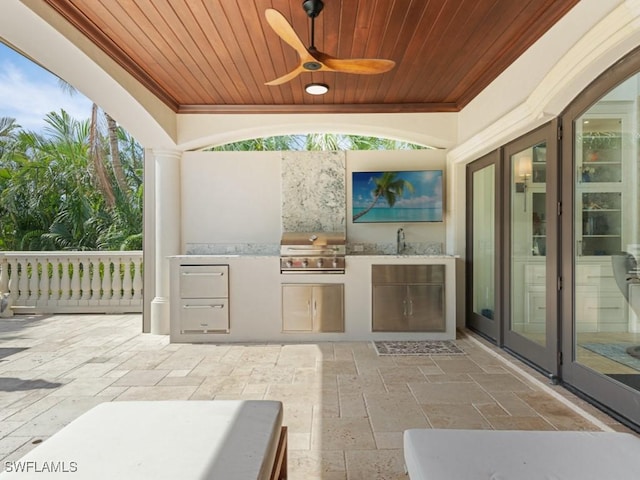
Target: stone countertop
[[394, 255], [351, 255]]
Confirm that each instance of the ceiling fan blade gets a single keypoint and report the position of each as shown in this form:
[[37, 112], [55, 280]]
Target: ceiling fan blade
[[364, 66], [285, 31], [289, 76]]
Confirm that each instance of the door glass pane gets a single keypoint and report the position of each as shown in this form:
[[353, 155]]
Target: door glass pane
[[528, 243], [607, 236], [484, 242]]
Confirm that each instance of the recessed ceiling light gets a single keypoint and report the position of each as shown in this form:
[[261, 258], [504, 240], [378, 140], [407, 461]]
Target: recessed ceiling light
[[316, 88]]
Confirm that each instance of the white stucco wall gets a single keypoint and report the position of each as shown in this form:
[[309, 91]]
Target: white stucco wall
[[231, 197]]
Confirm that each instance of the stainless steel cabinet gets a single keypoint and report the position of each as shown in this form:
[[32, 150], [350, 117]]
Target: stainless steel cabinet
[[313, 307], [204, 298], [408, 298]]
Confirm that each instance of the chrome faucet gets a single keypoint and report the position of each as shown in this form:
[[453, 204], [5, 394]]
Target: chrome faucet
[[400, 244]]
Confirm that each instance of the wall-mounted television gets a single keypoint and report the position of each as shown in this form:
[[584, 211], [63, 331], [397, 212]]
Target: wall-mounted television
[[397, 196]]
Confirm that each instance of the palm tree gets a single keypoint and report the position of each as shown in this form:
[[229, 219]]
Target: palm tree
[[389, 187], [316, 142], [47, 200]]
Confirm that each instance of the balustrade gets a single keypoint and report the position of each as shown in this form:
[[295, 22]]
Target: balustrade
[[72, 282]]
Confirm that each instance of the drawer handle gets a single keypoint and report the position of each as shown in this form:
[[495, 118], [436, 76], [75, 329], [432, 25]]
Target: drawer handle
[[604, 308], [203, 274], [200, 307]]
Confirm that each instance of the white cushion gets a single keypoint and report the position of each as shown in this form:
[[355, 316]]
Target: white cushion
[[433, 454], [165, 440]]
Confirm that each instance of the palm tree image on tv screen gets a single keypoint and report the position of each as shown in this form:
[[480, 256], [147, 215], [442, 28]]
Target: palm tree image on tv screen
[[397, 196]]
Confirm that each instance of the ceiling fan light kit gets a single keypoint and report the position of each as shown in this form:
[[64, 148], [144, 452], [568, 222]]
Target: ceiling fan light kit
[[316, 88], [311, 59]]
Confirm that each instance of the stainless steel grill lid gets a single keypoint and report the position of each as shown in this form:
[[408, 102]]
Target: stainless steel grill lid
[[313, 238], [317, 252]]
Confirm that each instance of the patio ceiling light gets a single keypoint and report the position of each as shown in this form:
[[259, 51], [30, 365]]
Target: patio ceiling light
[[316, 88]]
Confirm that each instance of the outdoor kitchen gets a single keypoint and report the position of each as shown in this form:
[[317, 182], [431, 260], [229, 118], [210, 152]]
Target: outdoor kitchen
[[275, 229]]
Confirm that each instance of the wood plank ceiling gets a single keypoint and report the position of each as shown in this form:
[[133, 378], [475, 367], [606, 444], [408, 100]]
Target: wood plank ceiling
[[214, 56]]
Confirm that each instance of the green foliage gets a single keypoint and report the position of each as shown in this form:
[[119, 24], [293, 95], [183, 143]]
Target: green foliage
[[315, 142], [50, 196]]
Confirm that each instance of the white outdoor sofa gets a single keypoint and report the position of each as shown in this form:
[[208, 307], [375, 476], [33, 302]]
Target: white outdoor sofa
[[217, 440], [435, 454]]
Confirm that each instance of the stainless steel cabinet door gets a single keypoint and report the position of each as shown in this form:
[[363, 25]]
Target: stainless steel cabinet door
[[296, 308], [408, 308], [328, 308], [389, 308], [425, 308], [313, 308]]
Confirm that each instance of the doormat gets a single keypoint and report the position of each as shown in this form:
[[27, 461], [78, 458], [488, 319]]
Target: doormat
[[630, 379], [616, 352], [418, 347]]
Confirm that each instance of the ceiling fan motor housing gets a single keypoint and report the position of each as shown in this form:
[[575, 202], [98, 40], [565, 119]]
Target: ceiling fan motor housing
[[312, 7]]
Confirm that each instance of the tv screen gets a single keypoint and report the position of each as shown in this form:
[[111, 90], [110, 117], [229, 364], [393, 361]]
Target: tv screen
[[397, 196]]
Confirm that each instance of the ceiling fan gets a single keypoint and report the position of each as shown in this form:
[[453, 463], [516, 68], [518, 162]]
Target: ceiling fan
[[311, 59]]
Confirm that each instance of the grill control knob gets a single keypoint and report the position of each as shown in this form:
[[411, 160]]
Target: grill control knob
[[289, 263], [320, 262], [305, 263], [335, 263]]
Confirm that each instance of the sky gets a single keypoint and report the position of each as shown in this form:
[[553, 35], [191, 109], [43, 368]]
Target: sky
[[28, 92]]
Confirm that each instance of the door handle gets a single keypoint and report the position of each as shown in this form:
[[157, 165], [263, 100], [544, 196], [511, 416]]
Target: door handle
[[203, 274], [202, 307]]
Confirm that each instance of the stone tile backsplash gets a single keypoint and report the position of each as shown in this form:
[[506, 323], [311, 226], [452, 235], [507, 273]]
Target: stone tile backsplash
[[313, 192]]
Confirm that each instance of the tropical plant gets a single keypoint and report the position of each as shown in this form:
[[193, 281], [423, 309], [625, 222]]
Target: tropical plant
[[56, 192], [316, 142], [389, 187]]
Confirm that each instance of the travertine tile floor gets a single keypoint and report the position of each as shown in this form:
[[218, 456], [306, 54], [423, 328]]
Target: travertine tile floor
[[345, 406]]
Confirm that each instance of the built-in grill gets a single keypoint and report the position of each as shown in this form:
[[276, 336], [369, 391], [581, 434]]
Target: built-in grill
[[309, 252]]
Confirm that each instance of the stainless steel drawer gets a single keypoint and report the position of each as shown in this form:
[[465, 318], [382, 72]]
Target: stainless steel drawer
[[210, 314], [403, 274], [204, 281]]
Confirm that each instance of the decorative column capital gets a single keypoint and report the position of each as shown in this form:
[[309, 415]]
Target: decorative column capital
[[166, 153]]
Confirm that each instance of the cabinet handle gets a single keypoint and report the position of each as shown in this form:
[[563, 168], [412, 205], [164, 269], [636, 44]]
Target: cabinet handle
[[604, 308], [203, 274], [410, 308], [201, 307]]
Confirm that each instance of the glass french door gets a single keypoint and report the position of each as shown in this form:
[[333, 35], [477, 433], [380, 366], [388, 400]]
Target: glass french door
[[482, 245], [531, 270], [601, 306]]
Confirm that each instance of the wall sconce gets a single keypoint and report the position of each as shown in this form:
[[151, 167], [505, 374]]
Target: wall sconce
[[525, 169]]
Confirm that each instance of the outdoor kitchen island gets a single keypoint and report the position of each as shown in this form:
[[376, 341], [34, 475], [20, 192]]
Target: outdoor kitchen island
[[251, 307]]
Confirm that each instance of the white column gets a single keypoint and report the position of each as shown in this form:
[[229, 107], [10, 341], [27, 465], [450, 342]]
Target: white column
[[168, 227]]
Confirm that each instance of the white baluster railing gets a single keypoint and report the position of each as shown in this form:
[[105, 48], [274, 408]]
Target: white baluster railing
[[72, 282]]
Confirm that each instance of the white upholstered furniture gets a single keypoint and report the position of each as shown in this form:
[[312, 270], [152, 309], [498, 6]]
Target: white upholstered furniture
[[433, 454], [230, 440]]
